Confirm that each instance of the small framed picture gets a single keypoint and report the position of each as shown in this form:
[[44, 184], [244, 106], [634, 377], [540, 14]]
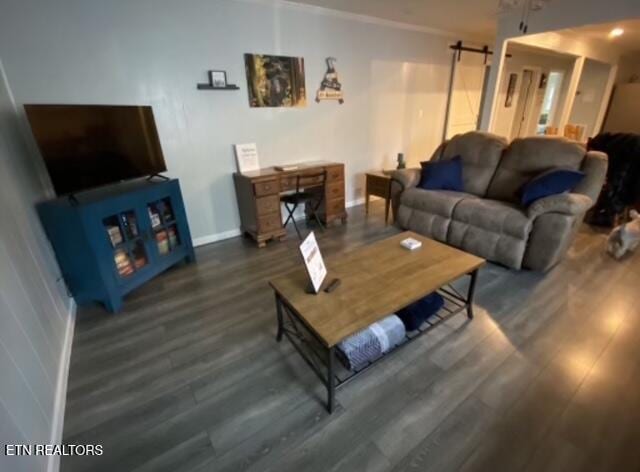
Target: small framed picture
[[511, 90], [218, 78]]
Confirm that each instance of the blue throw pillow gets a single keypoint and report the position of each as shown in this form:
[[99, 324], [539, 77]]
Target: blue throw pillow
[[414, 315], [551, 182], [442, 175]]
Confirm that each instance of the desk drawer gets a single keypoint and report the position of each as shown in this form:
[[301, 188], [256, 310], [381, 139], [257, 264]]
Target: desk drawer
[[266, 187], [309, 182], [288, 183], [335, 173], [268, 204], [335, 207], [268, 223], [335, 190]]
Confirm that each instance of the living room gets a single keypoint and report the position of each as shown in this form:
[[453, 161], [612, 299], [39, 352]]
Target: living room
[[138, 329]]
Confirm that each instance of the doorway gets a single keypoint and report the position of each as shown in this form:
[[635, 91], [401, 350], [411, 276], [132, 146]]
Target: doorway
[[550, 101], [524, 105]]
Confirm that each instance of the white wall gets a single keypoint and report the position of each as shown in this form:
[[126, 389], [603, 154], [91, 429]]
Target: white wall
[[628, 68], [35, 313], [554, 16], [520, 59], [624, 114], [591, 90], [155, 51]]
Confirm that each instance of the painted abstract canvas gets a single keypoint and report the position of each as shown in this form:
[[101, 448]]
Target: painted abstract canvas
[[275, 81]]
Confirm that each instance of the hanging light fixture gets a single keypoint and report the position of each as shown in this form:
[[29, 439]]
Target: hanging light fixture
[[527, 7]]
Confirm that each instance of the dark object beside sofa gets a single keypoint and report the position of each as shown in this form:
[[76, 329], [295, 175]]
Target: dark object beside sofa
[[622, 187], [487, 218]]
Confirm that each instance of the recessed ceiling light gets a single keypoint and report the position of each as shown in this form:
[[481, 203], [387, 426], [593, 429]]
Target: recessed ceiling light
[[615, 32]]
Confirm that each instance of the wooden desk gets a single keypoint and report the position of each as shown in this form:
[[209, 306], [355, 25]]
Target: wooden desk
[[258, 193]]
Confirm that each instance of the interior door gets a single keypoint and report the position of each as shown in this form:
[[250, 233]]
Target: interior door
[[523, 108], [466, 94]]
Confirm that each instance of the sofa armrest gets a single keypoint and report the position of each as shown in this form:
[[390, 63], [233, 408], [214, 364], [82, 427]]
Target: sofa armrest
[[572, 204], [407, 178], [595, 168], [401, 180]]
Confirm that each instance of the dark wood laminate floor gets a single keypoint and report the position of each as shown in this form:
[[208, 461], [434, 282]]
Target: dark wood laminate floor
[[189, 377]]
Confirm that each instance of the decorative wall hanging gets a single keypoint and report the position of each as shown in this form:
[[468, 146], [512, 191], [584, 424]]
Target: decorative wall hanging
[[543, 80], [275, 81], [217, 81], [330, 87], [511, 90]]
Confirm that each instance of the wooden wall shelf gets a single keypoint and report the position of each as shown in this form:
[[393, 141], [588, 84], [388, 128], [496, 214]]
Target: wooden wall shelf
[[211, 87]]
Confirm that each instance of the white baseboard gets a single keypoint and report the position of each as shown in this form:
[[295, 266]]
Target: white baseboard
[[356, 202], [57, 425], [212, 238], [233, 233]]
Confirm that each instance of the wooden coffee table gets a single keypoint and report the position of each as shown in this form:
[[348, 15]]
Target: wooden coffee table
[[376, 280]]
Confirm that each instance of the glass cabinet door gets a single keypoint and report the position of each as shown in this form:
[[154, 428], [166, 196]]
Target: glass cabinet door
[[164, 226], [124, 235]]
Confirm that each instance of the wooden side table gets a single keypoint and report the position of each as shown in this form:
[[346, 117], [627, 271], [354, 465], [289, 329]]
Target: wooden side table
[[378, 184]]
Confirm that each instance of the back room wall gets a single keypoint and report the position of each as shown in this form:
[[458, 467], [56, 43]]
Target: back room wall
[[154, 52]]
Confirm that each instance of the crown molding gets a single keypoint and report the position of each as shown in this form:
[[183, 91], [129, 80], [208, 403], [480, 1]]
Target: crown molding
[[367, 19]]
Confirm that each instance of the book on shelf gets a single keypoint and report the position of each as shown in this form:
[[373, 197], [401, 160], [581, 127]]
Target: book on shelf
[[173, 237], [167, 211], [130, 225], [162, 240], [154, 216], [115, 235], [140, 262], [123, 263]]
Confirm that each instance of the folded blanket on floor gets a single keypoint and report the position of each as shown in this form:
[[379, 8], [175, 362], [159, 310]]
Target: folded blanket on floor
[[417, 313], [356, 351]]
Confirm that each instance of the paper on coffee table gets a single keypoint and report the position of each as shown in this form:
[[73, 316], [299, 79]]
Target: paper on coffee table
[[313, 261]]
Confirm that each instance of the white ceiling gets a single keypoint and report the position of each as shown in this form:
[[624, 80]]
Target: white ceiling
[[628, 42], [476, 18]]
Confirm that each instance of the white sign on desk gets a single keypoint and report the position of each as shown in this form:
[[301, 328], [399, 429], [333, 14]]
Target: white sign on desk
[[247, 157], [313, 261]]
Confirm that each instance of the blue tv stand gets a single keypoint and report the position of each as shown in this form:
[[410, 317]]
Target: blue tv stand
[[110, 240]]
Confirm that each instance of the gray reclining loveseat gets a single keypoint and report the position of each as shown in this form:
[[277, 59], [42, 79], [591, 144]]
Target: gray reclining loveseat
[[487, 218]]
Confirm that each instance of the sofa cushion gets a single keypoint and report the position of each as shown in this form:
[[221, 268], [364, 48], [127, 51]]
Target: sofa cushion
[[480, 153], [495, 230], [439, 202], [442, 175], [493, 215], [429, 212], [527, 157]]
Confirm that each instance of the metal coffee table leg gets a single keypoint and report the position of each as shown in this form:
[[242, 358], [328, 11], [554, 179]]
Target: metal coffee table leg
[[280, 320], [331, 379], [471, 293]]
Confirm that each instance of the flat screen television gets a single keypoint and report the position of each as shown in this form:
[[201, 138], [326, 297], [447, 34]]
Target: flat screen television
[[87, 146]]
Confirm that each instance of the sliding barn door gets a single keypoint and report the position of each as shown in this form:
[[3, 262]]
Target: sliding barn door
[[466, 93]]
